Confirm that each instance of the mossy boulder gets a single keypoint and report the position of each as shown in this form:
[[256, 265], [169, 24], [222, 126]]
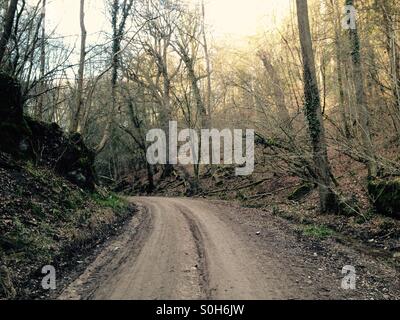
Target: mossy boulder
[[44, 144], [385, 195], [66, 153]]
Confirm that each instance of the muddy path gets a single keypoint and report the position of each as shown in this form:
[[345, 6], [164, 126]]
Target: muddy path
[[196, 249]]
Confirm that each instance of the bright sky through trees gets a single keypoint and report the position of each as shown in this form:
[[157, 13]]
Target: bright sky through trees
[[236, 18]]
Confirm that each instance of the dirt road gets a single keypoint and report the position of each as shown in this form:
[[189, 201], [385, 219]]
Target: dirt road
[[194, 249]]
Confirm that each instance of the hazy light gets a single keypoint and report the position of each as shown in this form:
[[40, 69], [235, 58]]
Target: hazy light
[[63, 15], [241, 18], [234, 18]]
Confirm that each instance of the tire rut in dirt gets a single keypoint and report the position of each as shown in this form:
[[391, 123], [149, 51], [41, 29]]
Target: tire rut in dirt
[[201, 254]]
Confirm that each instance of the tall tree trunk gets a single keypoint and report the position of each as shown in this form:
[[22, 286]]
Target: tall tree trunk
[[394, 58], [75, 126], [364, 117], [118, 32], [42, 62], [208, 102], [200, 107], [166, 112], [204, 118], [339, 62], [202, 111], [114, 74], [150, 177], [7, 28], [313, 112]]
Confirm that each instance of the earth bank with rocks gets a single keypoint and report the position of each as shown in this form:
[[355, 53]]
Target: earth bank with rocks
[[51, 212]]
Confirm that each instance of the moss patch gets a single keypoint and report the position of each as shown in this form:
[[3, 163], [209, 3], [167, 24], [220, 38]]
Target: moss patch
[[316, 231], [112, 201]]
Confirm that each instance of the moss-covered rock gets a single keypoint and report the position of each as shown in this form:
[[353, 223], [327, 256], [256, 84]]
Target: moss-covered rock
[[385, 195], [44, 144], [67, 154]]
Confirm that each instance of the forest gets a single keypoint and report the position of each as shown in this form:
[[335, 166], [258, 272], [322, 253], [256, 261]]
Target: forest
[[319, 86]]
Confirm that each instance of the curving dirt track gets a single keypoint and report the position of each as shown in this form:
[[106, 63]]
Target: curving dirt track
[[195, 249]]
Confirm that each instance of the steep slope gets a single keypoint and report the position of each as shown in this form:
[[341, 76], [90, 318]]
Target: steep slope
[[50, 213], [46, 220]]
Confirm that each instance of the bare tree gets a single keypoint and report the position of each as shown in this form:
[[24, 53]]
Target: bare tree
[[313, 111], [208, 102], [75, 126], [118, 33], [155, 48], [7, 27], [187, 47], [42, 61], [364, 118]]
